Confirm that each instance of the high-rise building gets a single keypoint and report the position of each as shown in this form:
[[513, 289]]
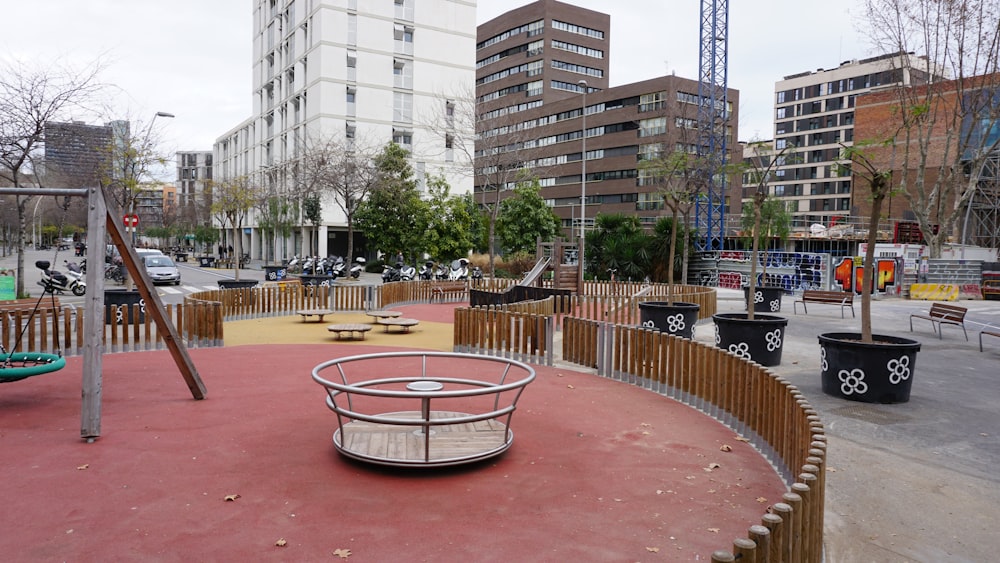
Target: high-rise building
[[194, 198], [353, 71], [813, 120], [542, 79], [77, 155]]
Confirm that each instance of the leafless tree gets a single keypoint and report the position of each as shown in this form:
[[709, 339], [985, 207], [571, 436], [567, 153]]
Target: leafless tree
[[29, 98], [939, 134], [232, 200], [340, 171]]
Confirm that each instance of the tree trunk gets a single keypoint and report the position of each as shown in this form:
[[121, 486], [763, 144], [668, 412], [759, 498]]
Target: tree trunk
[[237, 252], [866, 272], [670, 258], [755, 249], [21, 232]]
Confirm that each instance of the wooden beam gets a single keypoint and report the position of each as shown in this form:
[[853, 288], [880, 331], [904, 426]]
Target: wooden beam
[[154, 306], [93, 318]]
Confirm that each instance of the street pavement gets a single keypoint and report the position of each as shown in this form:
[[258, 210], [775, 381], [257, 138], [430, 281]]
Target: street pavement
[[908, 482]]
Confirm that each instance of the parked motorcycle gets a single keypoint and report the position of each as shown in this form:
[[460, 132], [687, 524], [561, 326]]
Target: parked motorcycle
[[426, 271], [477, 273], [389, 274], [54, 281], [441, 271], [406, 272], [459, 270], [336, 267], [357, 267]]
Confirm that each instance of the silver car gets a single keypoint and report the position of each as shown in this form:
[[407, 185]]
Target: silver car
[[161, 269]]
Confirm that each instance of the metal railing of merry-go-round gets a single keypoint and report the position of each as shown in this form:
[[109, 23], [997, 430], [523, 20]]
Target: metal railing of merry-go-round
[[600, 331]]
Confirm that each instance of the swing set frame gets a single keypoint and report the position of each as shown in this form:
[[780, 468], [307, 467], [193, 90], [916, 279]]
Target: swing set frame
[[101, 222]]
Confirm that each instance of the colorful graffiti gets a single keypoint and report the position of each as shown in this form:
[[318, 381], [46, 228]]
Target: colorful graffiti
[[789, 270], [847, 274]]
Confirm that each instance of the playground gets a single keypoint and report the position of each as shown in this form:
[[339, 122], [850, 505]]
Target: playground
[[599, 470]]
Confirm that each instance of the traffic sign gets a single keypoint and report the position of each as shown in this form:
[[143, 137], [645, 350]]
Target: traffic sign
[[131, 222]]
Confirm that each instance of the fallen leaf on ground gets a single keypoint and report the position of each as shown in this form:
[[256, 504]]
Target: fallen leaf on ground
[[570, 387], [231, 498], [281, 543], [342, 553], [653, 549], [726, 448], [82, 467], [742, 439], [761, 499], [714, 530]]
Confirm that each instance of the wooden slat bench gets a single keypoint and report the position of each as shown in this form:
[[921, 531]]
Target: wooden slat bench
[[451, 288], [992, 332], [943, 314], [350, 329], [28, 304], [403, 324], [306, 313], [841, 298]]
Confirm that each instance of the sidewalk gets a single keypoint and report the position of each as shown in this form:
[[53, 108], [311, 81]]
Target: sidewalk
[[910, 482]]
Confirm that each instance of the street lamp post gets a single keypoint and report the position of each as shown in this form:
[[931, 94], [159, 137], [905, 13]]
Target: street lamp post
[[149, 130], [583, 185]]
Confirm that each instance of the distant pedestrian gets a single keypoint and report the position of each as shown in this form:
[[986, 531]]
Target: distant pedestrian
[[222, 251]]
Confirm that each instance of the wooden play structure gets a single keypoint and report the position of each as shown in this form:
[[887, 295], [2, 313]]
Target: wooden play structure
[[101, 220]]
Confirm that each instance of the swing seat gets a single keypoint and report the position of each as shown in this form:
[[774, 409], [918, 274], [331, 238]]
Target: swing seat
[[21, 365]]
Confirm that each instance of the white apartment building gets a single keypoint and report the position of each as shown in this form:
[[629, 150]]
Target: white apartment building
[[194, 199], [813, 115], [372, 70]]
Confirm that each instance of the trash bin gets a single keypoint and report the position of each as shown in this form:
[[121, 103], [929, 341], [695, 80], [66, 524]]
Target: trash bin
[[120, 298], [206, 261], [236, 284], [275, 273]]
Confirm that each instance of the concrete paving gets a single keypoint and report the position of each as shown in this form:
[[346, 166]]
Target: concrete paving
[[907, 482]]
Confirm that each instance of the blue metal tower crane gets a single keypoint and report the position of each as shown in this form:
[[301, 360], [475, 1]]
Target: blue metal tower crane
[[713, 118]]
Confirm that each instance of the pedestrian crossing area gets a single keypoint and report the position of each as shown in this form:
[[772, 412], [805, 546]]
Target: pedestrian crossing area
[[184, 289]]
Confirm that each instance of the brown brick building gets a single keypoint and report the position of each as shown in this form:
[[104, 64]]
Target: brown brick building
[[537, 67]]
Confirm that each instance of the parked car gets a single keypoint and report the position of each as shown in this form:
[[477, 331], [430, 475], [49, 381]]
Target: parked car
[[161, 269]]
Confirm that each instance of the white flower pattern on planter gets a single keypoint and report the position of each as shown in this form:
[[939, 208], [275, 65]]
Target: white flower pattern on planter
[[899, 370], [822, 360], [741, 350], [852, 382], [758, 297], [718, 336], [775, 305], [773, 340], [649, 324], [675, 323]]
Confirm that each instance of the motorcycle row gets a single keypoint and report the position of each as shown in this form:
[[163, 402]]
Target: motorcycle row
[[333, 266], [456, 271]]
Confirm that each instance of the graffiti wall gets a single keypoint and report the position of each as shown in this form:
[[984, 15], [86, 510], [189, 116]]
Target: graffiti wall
[[848, 272], [793, 271]]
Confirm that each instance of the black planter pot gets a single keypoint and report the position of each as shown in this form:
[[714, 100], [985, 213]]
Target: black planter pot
[[766, 299], [317, 280], [759, 340], [275, 273], [677, 319], [236, 284], [880, 372], [120, 297]]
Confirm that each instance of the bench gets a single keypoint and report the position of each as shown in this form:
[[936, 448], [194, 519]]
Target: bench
[[379, 315], [943, 314], [841, 298], [28, 304], [350, 329], [441, 289], [404, 324], [306, 313], [995, 332]]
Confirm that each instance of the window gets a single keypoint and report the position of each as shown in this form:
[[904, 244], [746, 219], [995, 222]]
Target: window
[[402, 107], [651, 127], [402, 138], [652, 102], [352, 29]]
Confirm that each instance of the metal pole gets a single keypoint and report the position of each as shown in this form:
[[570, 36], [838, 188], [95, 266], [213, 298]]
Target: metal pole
[[583, 185]]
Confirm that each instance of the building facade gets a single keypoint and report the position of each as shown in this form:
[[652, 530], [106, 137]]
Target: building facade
[[814, 118], [547, 109], [78, 155], [354, 71], [193, 200]]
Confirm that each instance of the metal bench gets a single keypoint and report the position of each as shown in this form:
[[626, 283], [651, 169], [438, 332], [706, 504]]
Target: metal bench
[[841, 298], [995, 332], [943, 314]]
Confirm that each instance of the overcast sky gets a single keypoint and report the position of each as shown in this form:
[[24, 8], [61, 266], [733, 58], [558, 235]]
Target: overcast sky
[[192, 57]]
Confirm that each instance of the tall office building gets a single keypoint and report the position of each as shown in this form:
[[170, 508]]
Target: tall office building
[[355, 71], [542, 79], [78, 155], [814, 115]]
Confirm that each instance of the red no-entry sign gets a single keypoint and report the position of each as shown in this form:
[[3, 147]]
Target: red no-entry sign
[[131, 221]]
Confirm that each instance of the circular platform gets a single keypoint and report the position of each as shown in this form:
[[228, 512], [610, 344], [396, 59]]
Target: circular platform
[[471, 421]]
